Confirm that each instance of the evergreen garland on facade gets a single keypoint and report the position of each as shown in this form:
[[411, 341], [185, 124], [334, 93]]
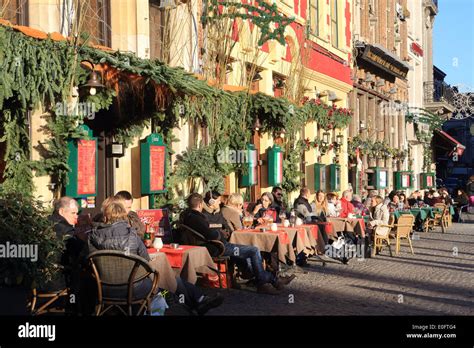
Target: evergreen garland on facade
[[38, 73]]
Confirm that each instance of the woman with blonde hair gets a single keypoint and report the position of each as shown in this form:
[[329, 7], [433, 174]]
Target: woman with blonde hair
[[232, 211], [115, 233], [320, 204]]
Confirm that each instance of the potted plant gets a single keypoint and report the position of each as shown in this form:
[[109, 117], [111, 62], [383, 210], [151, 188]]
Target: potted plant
[[29, 250]]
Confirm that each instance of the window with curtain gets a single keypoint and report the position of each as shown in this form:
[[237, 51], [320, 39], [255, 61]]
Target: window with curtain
[[15, 11], [334, 22], [314, 17]]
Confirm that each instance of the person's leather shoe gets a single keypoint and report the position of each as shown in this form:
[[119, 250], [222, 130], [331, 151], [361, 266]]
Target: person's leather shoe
[[267, 289], [208, 303], [283, 280]]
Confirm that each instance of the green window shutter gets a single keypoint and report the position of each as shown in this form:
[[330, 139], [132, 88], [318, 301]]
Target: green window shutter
[[153, 154]]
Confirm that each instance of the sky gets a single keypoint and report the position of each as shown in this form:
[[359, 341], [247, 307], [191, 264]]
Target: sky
[[453, 42]]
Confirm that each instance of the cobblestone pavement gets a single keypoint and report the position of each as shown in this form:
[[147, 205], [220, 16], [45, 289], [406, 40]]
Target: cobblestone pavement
[[437, 280]]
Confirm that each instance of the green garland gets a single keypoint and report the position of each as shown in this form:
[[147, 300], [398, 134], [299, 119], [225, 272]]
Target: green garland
[[374, 149], [44, 76], [420, 115], [262, 15]]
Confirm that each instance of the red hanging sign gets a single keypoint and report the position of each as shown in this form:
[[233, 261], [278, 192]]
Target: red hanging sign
[[86, 167], [157, 168]]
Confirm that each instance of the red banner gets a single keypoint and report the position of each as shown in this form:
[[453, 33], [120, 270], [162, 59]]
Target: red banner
[[86, 167], [157, 168], [156, 218]]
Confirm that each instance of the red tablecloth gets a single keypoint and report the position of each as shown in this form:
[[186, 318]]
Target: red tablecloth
[[282, 235], [328, 227], [314, 230], [174, 256]]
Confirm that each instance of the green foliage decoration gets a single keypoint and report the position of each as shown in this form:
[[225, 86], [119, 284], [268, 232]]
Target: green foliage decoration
[[41, 72], [263, 15], [24, 221]]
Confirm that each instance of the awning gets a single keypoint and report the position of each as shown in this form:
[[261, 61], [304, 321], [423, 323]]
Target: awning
[[448, 142]]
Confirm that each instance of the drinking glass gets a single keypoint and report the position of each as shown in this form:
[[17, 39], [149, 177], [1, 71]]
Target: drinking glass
[[282, 217], [247, 221], [161, 231]]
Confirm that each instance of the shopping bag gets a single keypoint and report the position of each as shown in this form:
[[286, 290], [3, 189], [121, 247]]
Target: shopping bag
[[158, 305]]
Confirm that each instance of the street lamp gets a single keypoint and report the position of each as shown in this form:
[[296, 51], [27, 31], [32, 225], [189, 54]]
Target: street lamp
[[326, 136], [94, 81], [256, 126]]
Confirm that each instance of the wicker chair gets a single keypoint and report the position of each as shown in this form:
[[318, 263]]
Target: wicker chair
[[119, 277], [381, 235], [47, 301], [192, 237], [440, 218], [402, 230], [460, 215]]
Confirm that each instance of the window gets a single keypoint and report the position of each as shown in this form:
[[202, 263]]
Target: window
[[314, 17], [334, 31], [15, 11], [97, 21], [157, 31]]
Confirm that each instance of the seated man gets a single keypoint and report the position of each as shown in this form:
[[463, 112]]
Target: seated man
[[115, 233], [278, 204], [65, 217], [212, 212], [195, 219], [302, 206]]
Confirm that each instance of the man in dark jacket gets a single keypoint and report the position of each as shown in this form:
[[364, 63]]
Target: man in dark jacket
[[277, 204], [302, 206], [65, 217], [194, 218]]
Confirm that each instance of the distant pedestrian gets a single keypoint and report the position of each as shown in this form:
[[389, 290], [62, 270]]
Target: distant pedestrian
[[470, 190]]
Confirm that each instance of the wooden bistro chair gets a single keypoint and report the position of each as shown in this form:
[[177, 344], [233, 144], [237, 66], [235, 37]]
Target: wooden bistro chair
[[189, 236], [48, 301], [117, 276], [440, 218], [402, 230], [381, 235]]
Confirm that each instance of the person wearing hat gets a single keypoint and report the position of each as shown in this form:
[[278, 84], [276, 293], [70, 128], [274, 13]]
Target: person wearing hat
[[437, 199]]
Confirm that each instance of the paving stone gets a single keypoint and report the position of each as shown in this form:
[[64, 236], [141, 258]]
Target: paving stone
[[433, 281]]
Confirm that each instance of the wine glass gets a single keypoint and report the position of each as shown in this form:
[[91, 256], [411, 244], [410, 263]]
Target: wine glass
[[247, 221]]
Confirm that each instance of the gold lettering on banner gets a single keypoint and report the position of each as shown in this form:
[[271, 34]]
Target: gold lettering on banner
[[384, 63]]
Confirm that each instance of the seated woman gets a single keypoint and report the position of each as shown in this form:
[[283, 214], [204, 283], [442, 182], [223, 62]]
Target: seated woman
[[232, 211], [115, 233], [394, 203], [415, 199], [360, 207], [437, 199], [334, 206], [262, 208], [320, 204], [380, 214], [460, 200], [403, 203]]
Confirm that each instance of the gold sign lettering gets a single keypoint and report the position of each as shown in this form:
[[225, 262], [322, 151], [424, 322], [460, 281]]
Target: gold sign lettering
[[385, 64]]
